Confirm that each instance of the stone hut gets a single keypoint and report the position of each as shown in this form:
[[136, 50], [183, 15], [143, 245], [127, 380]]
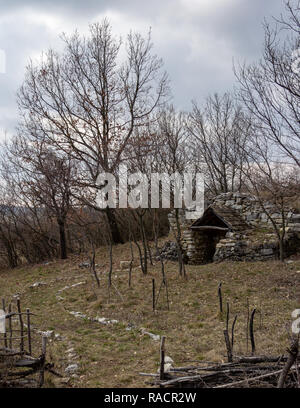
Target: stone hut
[[234, 227]]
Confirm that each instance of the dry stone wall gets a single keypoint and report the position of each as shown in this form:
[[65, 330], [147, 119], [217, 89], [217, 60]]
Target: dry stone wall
[[259, 242]]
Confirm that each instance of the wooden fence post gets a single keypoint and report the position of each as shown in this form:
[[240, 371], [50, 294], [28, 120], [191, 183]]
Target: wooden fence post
[[228, 346], [251, 329], [21, 325], [10, 326], [232, 331], [153, 295], [162, 358], [220, 297], [28, 331], [43, 360]]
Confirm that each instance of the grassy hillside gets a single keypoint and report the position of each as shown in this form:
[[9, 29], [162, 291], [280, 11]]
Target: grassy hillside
[[111, 356]]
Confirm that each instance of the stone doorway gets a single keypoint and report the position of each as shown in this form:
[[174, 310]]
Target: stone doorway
[[207, 232], [209, 238]]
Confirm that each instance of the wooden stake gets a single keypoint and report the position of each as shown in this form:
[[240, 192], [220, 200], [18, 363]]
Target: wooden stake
[[227, 317], [162, 358], [21, 325], [153, 295], [43, 359], [220, 297], [44, 345], [228, 346], [131, 264], [10, 326], [28, 331], [232, 331], [247, 329], [251, 331]]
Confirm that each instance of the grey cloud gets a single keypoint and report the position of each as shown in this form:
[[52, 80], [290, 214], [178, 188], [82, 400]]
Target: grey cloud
[[87, 8], [197, 44]]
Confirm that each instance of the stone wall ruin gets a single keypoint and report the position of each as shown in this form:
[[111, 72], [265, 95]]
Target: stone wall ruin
[[248, 234]]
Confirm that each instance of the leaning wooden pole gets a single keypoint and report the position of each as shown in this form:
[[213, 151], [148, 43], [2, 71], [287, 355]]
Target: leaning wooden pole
[[293, 354]]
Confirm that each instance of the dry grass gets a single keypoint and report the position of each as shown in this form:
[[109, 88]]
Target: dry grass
[[110, 356]]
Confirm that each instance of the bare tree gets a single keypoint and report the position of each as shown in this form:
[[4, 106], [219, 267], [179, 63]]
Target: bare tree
[[87, 103], [274, 184], [28, 233], [217, 136], [44, 177], [269, 88], [8, 238], [173, 154], [141, 158]]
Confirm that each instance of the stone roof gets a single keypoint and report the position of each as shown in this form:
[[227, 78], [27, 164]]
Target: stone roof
[[222, 217]]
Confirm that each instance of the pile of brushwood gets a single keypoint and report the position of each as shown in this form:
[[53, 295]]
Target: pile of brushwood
[[20, 370], [239, 371], [18, 365], [245, 372]]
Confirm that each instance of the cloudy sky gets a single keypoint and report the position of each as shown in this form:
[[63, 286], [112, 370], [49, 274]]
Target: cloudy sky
[[197, 39]]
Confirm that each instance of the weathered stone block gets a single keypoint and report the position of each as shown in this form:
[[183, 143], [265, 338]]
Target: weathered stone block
[[267, 251], [251, 217]]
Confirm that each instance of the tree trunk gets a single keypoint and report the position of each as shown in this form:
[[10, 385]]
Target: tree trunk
[[115, 233], [143, 236], [182, 271], [281, 249], [11, 255], [10, 251], [62, 239]]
